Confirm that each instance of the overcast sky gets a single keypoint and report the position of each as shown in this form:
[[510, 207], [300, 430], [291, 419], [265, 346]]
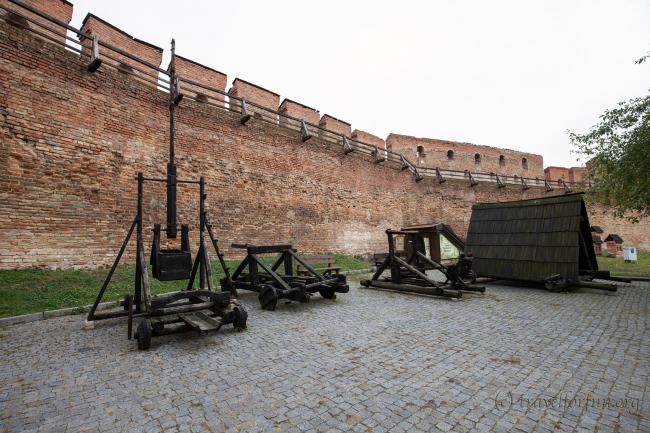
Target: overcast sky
[[513, 74]]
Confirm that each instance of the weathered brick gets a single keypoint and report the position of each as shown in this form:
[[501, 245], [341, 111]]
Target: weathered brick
[[71, 143], [93, 25], [59, 9], [335, 125], [190, 70], [256, 94], [299, 111], [452, 155], [366, 137]]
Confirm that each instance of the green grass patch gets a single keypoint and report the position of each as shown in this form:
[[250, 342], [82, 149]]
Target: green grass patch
[[34, 290], [617, 266]]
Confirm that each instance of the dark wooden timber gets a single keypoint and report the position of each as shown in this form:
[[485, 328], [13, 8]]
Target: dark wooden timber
[[162, 315], [271, 285], [537, 240]]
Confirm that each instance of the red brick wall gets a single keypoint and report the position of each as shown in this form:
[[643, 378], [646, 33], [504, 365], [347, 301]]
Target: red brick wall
[[464, 156], [71, 143], [59, 9], [298, 110], [366, 137], [189, 69], [106, 32], [335, 125], [577, 174], [553, 174], [254, 93]]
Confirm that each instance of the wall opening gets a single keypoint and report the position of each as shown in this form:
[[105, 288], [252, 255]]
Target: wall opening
[[450, 154], [524, 163], [502, 161], [477, 159], [419, 150]]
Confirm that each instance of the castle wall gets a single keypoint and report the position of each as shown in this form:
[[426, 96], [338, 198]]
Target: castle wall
[[451, 155], [188, 69], [71, 143], [93, 25], [59, 9]]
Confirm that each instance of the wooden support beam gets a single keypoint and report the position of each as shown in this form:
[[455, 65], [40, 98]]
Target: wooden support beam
[[567, 188], [439, 176], [304, 132], [245, 115], [95, 61], [472, 181], [375, 154], [405, 164], [347, 147], [176, 91], [548, 186]]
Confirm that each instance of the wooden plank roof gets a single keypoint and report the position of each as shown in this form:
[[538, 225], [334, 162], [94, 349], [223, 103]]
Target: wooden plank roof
[[614, 237], [531, 240]]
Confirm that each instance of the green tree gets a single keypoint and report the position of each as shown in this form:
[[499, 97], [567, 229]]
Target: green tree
[[619, 150]]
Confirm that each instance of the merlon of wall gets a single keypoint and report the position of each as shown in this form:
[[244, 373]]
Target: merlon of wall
[[256, 94], [336, 125], [452, 155], [191, 70], [59, 9], [367, 137], [298, 110], [570, 175], [107, 32]]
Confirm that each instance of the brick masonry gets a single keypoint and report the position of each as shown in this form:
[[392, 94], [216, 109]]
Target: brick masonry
[[335, 125], [190, 70], [59, 9], [72, 141], [368, 138], [452, 155], [572, 174], [256, 94], [93, 25], [299, 111]]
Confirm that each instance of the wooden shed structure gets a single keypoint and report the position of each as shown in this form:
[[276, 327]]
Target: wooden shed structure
[[542, 240], [614, 245], [596, 231]]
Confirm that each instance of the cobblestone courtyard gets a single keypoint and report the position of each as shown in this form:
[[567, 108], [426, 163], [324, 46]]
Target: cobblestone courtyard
[[510, 360]]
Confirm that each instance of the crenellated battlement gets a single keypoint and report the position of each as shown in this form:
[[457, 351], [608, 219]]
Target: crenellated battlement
[[452, 155], [300, 111], [73, 138], [93, 25], [369, 138], [58, 9], [253, 93], [191, 71], [572, 175], [205, 84]]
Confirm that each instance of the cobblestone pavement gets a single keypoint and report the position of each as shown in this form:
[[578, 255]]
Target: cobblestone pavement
[[369, 361]]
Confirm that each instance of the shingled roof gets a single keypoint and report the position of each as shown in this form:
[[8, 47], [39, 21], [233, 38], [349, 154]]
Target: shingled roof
[[613, 237], [531, 240]]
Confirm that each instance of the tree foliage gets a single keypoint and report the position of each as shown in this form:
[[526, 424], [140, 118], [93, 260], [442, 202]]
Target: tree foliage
[[619, 150]]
